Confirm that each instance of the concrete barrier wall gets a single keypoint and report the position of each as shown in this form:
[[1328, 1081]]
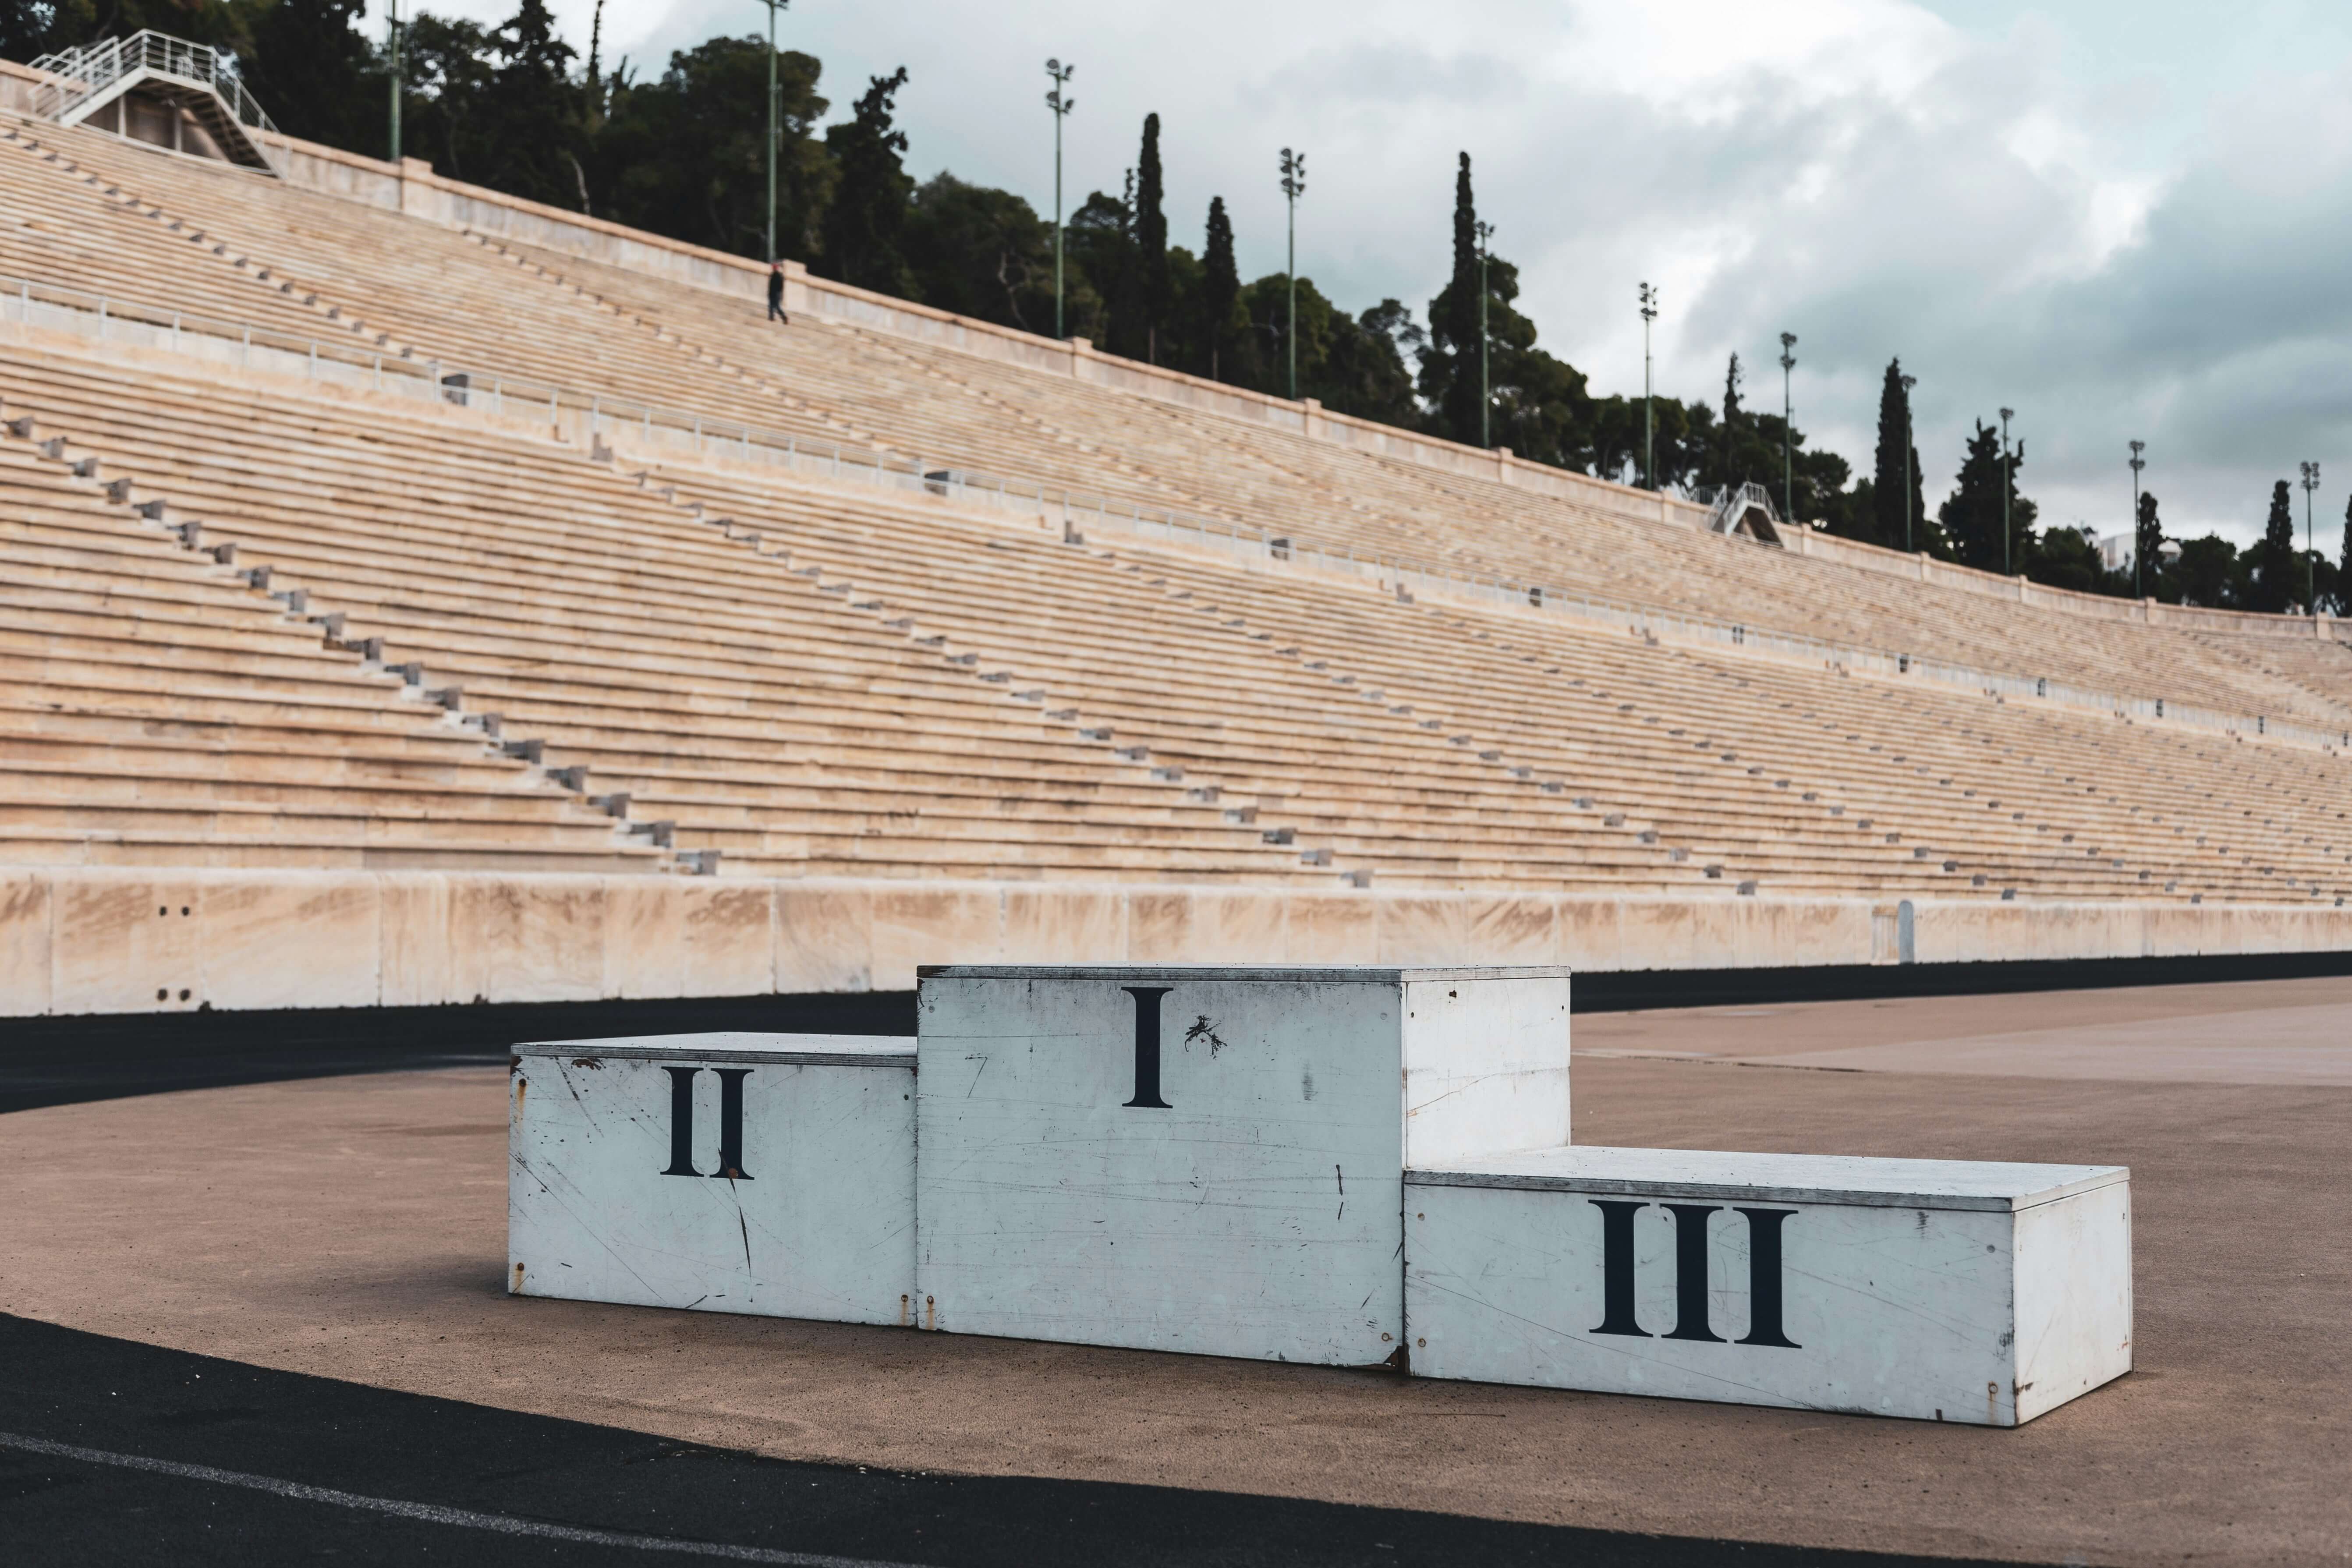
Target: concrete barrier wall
[[89, 940]]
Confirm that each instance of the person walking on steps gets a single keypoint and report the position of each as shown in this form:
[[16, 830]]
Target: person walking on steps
[[776, 293]]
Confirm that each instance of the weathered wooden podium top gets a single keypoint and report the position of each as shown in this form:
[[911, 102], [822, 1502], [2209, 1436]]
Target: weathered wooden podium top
[[740, 1045], [1777, 1178]]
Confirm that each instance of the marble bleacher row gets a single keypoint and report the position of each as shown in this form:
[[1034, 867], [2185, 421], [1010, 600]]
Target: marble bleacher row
[[713, 687], [1752, 773], [895, 686], [160, 711], [502, 305]]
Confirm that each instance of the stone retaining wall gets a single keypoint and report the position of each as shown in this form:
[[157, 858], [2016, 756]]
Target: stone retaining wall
[[89, 940]]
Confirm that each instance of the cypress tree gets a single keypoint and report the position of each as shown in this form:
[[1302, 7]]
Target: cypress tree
[[1151, 238], [2275, 579], [1887, 488], [1732, 414], [1971, 516], [2343, 567], [1459, 405], [1221, 286], [2147, 539]]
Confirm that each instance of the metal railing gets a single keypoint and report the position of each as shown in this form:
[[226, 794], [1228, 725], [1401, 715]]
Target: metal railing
[[590, 417], [81, 74]]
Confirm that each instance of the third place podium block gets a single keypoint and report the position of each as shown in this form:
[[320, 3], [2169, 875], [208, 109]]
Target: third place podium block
[[1944, 1289], [1210, 1158]]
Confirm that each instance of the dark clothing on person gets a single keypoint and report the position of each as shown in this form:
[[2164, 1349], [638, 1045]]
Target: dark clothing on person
[[776, 299]]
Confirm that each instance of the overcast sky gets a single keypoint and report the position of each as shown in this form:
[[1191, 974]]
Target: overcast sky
[[2120, 220]]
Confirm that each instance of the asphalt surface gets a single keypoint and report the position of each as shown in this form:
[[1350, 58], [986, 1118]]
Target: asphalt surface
[[242, 1465]]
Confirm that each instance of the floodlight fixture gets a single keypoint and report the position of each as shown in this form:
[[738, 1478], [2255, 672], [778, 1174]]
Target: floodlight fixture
[[775, 121], [1294, 186], [1788, 429], [1649, 442], [1060, 103], [2310, 568]]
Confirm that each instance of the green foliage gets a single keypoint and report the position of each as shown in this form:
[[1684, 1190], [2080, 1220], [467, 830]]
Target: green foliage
[[2343, 567], [1890, 492], [1098, 243], [318, 76], [2275, 578], [445, 68], [2147, 548], [1219, 325], [2208, 573], [868, 210], [2069, 558], [982, 253], [1154, 290], [1971, 517], [684, 153], [1449, 370]]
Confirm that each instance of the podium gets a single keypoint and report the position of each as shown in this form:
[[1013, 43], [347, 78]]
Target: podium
[[1345, 1166], [1942, 1289], [728, 1173], [1209, 1159]]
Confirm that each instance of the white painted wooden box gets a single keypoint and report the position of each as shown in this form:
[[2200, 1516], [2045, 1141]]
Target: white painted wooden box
[[1209, 1159], [1948, 1290], [734, 1172]]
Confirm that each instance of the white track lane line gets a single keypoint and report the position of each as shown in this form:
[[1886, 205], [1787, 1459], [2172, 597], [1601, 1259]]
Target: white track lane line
[[432, 1513]]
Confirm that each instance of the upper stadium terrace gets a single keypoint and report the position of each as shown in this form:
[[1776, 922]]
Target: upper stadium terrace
[[385, 553]]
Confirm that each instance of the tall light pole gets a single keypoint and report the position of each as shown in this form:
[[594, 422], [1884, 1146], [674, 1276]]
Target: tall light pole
[[392, 30], [775, 115], [1485, 395], [1060, 103], [2007, 483], [2138, 572], [1294, 186], [1788, 428], [2310, 571], [1908, 383], [1649, 442]]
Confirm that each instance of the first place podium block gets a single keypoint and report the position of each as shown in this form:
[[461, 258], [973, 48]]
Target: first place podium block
[[1944, 1289], [732, 1172], [1210, 1158]]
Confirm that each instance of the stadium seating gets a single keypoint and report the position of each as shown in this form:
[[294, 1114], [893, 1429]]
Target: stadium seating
[[161, 711], [718, 665], [497, 304]]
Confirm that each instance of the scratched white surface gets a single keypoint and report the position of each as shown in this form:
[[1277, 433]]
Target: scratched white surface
[[824, 1227], [1258, 1214], [1988, 1315]]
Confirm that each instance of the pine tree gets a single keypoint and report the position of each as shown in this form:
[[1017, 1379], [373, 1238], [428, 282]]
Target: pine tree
[[1888, 488], [1151, 239], [870, 205], [2276, 583], [535, 137], [1972, 513], [318, 76], [1221, 286]]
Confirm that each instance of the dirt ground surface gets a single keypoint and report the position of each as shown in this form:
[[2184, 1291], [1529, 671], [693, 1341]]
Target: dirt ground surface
[[354, 1228]]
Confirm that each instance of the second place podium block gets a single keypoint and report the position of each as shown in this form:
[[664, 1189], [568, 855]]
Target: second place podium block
[[732, 1172]]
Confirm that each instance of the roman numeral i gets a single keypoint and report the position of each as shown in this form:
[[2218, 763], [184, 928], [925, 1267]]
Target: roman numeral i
[[1764, 1302]]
